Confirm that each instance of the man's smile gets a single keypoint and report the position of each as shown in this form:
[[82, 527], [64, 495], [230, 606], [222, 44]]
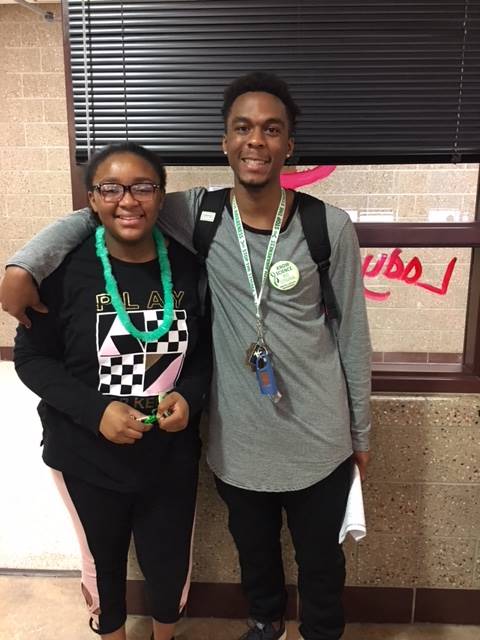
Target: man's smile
[[255, 162]]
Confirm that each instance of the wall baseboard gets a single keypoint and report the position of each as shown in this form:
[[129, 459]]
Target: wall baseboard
[[6, 353], [362, 604], [387, 605]]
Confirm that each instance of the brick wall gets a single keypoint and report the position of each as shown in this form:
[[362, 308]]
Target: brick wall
[[34, 158]]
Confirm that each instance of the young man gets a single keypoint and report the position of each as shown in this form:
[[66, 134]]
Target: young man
[[292, 452]]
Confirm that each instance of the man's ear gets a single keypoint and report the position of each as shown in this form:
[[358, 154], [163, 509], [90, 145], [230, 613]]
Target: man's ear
[[290, 146], [224, 143]]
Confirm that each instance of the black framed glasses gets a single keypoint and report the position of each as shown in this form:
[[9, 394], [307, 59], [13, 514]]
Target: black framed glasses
[[114, 192]]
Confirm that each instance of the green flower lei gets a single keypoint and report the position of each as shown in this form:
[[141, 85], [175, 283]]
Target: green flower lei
[[112, 287]]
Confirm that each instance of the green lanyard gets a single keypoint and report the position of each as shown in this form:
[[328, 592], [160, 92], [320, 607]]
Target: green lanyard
[[242, 241]]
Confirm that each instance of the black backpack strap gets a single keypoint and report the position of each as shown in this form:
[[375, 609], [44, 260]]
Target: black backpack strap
[[208, 218], [314, 222], [206, 224]]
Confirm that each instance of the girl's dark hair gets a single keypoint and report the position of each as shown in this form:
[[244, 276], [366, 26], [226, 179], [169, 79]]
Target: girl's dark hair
[[261, 81], [125, 147]]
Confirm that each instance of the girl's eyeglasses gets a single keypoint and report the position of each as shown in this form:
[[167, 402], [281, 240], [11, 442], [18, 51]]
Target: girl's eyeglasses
[[114, 192]]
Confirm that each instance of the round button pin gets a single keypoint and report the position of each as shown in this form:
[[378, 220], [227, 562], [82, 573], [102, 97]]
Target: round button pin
[[284, 275]]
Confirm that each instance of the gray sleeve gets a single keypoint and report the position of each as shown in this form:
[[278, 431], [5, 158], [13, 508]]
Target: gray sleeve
[[352, 331], [178, 215], [47, 250]]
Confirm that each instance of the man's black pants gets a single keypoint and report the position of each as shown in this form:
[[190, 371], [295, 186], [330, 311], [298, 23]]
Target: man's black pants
[[314, 517]]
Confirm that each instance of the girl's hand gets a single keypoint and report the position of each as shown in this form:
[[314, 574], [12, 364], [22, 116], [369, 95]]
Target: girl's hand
[[177, 407], [118, 424]]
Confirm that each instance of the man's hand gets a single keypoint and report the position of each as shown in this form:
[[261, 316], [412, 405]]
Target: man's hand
[[17, 292], [361, 458], [177, 406], [118, 424]]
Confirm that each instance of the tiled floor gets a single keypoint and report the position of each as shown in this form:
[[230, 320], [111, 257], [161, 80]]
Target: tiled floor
[[46, 608]]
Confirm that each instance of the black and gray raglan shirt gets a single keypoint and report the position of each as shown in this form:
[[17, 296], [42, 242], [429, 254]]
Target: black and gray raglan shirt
[[323, 371]]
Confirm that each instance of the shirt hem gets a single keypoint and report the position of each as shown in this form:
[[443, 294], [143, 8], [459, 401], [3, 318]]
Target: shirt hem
[[234, 483]]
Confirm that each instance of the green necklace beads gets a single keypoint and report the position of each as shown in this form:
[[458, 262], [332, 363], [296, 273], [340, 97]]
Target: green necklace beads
[[112, 287]]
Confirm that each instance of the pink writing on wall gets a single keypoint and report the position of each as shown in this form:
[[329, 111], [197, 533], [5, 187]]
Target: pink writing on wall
[[298, 179], [395, 269]]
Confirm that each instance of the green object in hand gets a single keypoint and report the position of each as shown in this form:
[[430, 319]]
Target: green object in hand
[[150, 419]]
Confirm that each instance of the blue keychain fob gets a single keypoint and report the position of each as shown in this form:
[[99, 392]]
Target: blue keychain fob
[[266, 377]]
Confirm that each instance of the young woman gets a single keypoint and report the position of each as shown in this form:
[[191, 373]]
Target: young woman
[[123, 340]]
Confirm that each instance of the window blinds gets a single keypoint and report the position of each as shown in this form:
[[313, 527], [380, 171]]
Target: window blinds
[[378, 81]]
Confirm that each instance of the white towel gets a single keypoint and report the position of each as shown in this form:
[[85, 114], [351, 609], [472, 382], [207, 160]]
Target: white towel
[[354, 520]]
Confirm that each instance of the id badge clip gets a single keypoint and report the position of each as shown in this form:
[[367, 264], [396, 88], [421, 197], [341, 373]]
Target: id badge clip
[[266, 378]]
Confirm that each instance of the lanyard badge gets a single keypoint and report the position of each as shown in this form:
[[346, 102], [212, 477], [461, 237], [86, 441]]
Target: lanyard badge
[[259, 358], [266, 377]]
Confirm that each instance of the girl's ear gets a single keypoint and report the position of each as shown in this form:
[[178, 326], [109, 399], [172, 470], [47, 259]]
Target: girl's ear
[[91, 201]]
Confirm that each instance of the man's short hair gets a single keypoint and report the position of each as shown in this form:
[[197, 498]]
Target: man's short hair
[[264, 81]]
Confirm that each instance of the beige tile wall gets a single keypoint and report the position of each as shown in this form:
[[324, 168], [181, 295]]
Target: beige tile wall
[[424, 487], [34, 157]]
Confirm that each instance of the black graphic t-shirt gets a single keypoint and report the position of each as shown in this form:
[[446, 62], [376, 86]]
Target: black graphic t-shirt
[[79, 357]]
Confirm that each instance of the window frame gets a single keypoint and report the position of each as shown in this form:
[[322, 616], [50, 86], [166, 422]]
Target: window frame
[[386, 377], [424, 378]]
